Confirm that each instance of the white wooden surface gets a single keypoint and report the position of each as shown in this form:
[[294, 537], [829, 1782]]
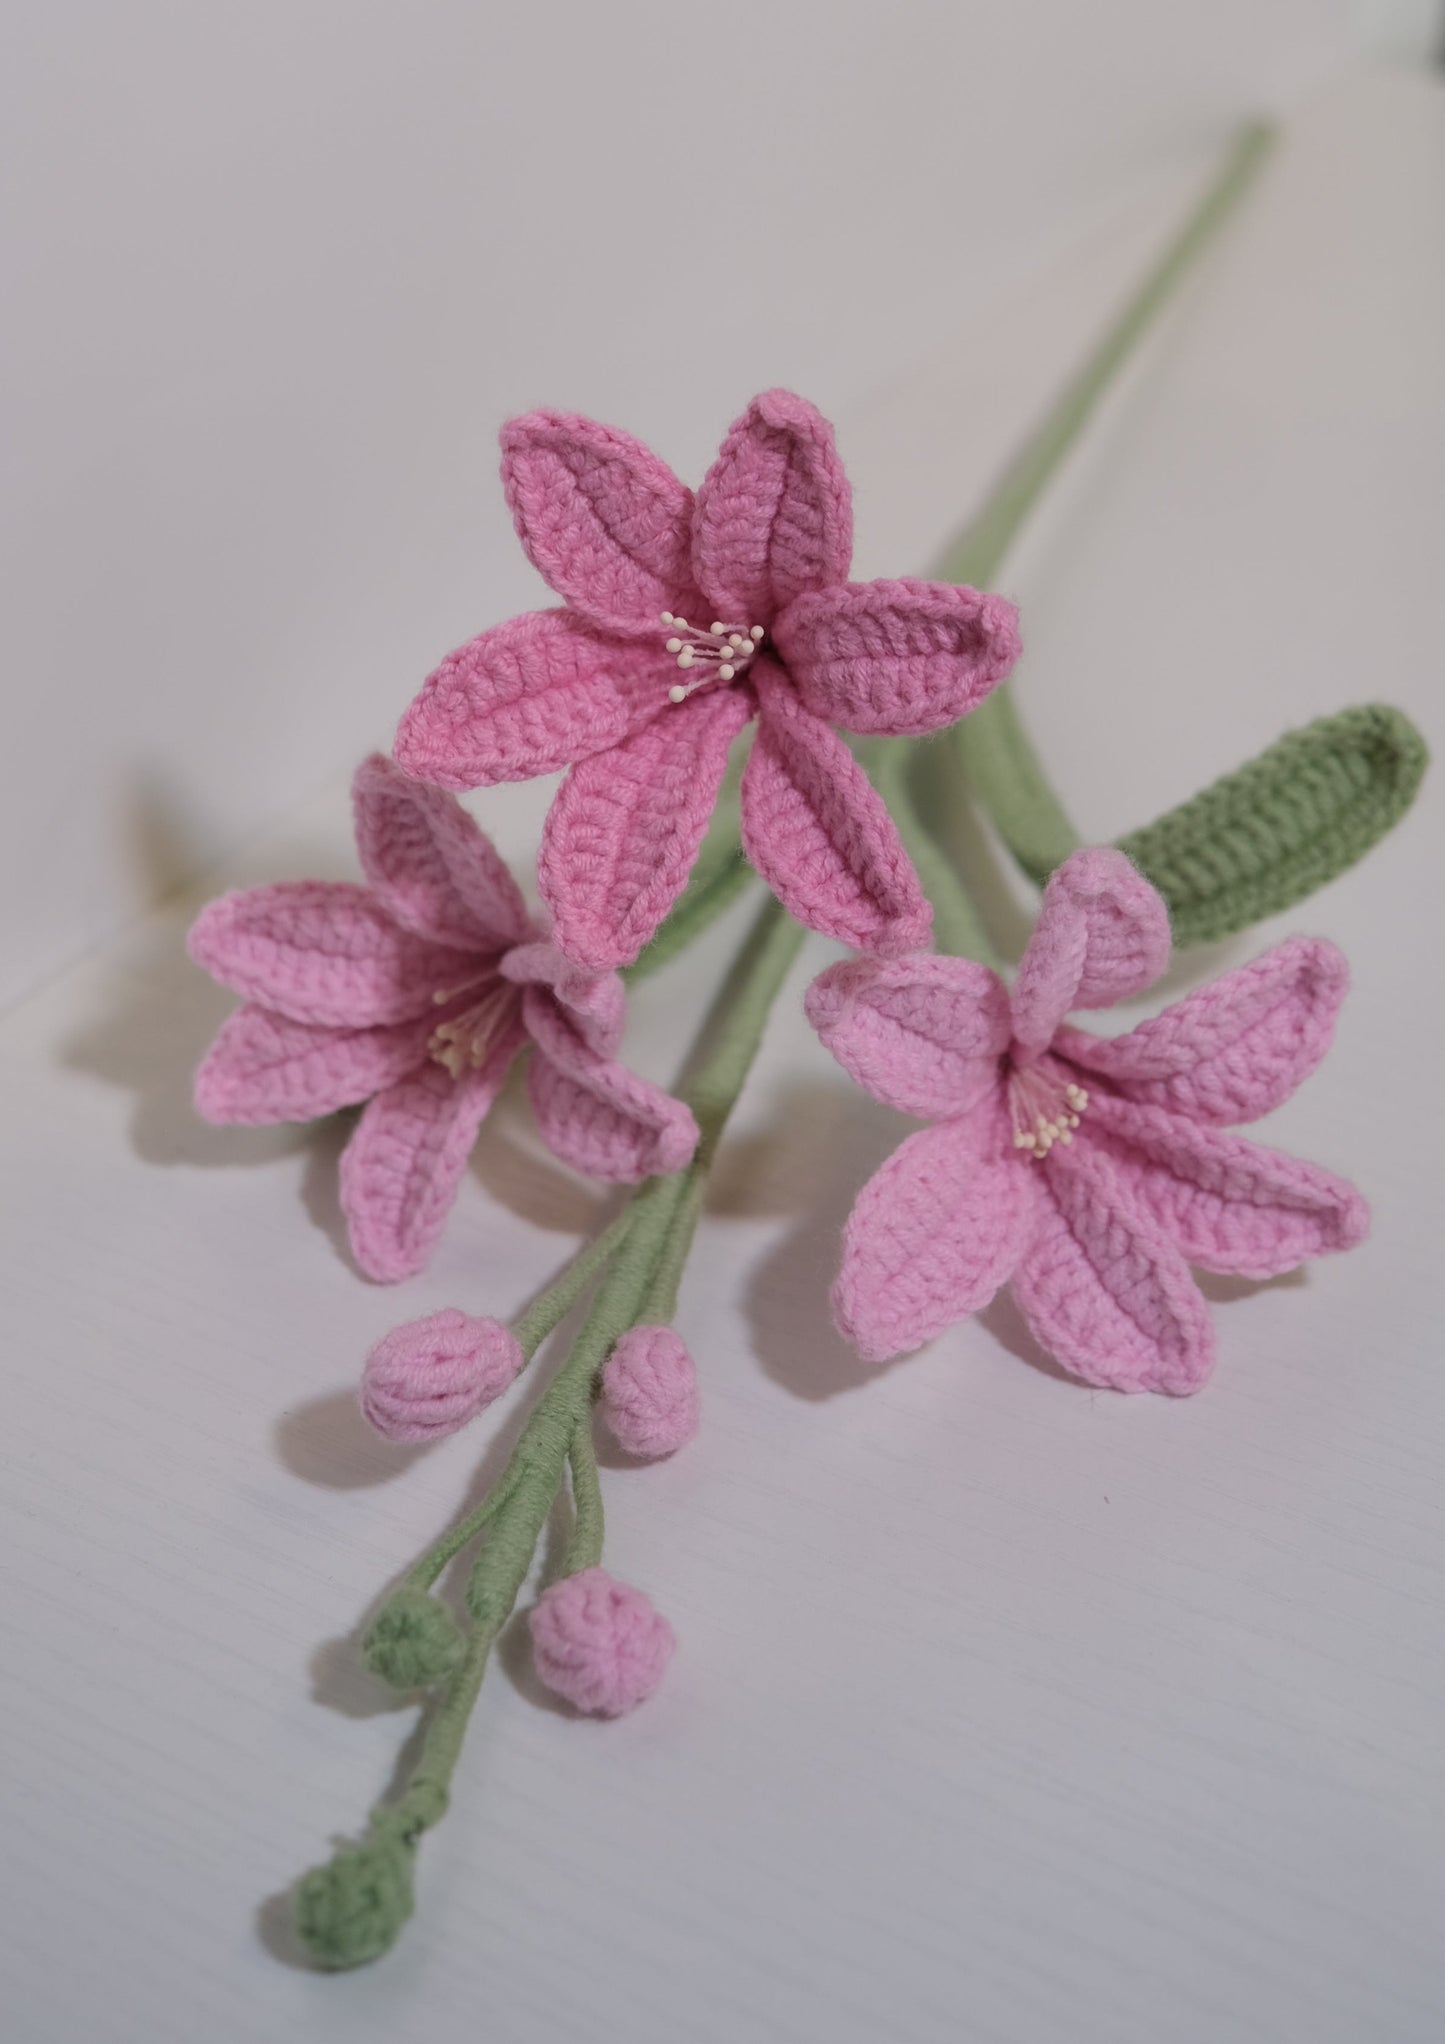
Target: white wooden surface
[[1004, 1711]]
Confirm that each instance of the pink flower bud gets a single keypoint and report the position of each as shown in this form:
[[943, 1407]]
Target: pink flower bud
[[649, 1392], [429, 1377], [597, 1643]]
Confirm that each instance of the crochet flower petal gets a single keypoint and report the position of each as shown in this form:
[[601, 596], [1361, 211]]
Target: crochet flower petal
[[431, 866], [595, 1115], [1228, 1204], [601, 518], [624, 830], [932, 1236], [1233, 1050], [896, 657], [594, 1002], [921, 1034], [1102, 934], [820, 835], [529, 697], [263, 1067], [774, 514], [1103, 1288], [401, 1169], [321, 951]]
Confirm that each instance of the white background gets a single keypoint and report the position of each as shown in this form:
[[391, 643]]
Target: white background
[[1003, 1710]]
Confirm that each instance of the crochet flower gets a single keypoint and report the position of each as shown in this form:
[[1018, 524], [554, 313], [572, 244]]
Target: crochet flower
[[415, 993], [683, 618], [1089, 1173]]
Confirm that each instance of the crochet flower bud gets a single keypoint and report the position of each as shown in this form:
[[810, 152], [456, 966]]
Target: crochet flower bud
[[413, 1642], [429, 1377], [353, 1908], [599, 1644], [649, 1392]]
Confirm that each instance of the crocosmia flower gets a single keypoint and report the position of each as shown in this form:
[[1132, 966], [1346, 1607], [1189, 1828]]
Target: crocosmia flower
[[1088, 1173], [415, 993], [682, 618]]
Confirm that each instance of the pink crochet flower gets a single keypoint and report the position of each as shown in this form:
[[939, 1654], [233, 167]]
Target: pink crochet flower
[[598, 1643], [684, 617], [1088, 1173], [415, 993]]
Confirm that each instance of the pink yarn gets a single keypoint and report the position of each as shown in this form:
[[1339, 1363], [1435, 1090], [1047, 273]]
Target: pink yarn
[[429, 1377], [763, 552], [649, 1392], [415, 994], [597, 1643], [1088, 1173]]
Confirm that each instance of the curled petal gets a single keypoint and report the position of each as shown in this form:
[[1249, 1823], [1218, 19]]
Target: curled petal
[[921, 1034], [896, 657], [1236, 1048], [932, 1235], [774, 514], [402, 1167], [1228, 1204], [263, 1067], [601, 518], [596, 1115], [1102, 934], [527, 698], [1103, 1288], [820, 834], [431, 866], [322, 951], [625, 828], [595, 1003]]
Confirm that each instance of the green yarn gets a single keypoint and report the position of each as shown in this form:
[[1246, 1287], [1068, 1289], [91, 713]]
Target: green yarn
[[1262, 838], [413, 1642], [352, 1909], [584, 1549]]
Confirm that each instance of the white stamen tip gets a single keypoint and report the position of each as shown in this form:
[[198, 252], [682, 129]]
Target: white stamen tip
[[667, 617], [674, 645], [756, 632], [716, 629], [726, 673], [677, 693]]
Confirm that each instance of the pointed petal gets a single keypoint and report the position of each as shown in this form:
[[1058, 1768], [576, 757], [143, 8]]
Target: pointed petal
[[896, 657], [1102, 934], [601, 518], [921, 1034], [774, 514], [401, 1169], [594, 1114], [322, 951], [1233, 1050], [1227, 1204], [819, 833], [624, 830], [263, 1067], [1102, 1287], [932, 1235], [529, 697], [595, 1003], [430, 865]]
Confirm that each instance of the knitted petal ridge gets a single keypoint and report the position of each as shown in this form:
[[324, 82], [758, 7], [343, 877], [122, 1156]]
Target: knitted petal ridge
[[430, 865], [774, 515], [921, 1034]]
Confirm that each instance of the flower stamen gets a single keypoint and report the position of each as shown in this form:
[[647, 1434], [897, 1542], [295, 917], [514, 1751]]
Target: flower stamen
[[1045, 1108], [722, 652], [467, 1040]]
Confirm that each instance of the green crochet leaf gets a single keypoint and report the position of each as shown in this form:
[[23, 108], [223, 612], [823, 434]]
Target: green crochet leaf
[[1266, 836]]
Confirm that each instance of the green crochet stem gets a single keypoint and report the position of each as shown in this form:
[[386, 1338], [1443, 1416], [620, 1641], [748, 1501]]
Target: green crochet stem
[[352, 1909], [1002, 764]]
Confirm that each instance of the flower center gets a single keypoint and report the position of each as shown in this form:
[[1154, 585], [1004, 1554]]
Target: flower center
[[719, 654], [1045, 1106], [465, 1041]]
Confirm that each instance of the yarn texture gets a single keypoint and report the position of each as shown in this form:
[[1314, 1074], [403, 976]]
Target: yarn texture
[[649, 1392], [352, 1909], [429, 1377], [1087, 1172], [413, 1642], [643, 705], [598, 1644], [415, 994]]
